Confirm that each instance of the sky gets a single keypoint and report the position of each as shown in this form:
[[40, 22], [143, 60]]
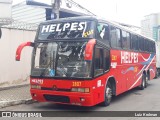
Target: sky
[[124, 11]]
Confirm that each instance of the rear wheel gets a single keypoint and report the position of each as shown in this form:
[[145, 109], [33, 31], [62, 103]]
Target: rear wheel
[[108, 95], [157, 73], [143, 82], [146, 82]]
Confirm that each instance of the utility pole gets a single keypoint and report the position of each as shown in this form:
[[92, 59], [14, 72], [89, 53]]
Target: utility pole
[[56, 8], [0, 33]]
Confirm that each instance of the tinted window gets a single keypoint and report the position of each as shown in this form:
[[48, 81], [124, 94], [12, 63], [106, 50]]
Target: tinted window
[[141, 44], [103, 32], [153, 47], [147, 45], [125, 40], [106, 60], [98, 61], [115, 37], [134, 42]]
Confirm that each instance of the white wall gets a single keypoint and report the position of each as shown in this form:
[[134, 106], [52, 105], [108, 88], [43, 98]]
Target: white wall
[[12, 71], [5, 6]]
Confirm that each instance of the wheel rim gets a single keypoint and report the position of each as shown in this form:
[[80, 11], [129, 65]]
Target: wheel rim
[[109, 94]]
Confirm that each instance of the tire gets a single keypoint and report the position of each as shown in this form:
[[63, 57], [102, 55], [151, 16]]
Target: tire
[[107, 95], [142, 86], [146, 82], [157, 73]]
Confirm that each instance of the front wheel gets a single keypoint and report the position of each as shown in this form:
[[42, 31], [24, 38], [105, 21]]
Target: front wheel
[[108, 95], [143, 84]]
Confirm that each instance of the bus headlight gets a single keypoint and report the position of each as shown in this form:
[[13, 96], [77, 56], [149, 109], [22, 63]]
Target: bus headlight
[[83, 90], [35, 87]]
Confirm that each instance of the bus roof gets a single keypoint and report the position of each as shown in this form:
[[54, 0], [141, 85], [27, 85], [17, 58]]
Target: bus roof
[[95, 18], [70, 19]]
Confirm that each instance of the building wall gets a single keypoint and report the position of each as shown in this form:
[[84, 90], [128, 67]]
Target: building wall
[[146, 30], [150, 25], [14, 72], [35, 12], [5, 5], [147, 25], [5, 11], [28, 13]]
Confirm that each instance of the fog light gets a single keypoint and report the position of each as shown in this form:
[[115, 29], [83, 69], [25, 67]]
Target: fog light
[[82, 99], [34, 95]]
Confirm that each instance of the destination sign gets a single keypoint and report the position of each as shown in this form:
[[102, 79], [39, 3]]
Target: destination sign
[[63, 27], [66, 30]]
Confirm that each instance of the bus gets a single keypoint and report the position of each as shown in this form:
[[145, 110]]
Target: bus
[[86, 61]]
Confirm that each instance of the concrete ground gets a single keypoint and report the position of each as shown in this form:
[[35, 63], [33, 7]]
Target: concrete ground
[[14, 95], [133, 100]]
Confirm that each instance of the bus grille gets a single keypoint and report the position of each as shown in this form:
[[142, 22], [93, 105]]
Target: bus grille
[[57, 98], [58, 89]]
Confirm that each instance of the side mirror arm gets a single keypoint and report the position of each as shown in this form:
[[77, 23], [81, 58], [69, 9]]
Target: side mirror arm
[[20, 48]]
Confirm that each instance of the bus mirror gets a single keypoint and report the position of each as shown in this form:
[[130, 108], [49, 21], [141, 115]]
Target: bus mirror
[[89, 49], [20, 47]]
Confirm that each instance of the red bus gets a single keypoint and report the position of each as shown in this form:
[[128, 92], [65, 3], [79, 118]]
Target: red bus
[[85, 61]]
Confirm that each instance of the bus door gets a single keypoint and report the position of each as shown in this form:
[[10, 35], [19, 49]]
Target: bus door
[[101, 60]]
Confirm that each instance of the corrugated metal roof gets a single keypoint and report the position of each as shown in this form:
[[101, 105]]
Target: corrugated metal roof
[[21, 26], [31, 11], [28, 13]]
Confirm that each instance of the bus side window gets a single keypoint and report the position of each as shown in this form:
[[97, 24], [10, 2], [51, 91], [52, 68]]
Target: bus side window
[[98, 62], [125, 40], [141, 43], [134, 42], [106, 59], [103, 32], [153, 46], [115, 37]]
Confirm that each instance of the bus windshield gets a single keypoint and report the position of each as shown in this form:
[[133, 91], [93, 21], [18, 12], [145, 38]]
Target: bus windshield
[[61, 59], [66, 30]]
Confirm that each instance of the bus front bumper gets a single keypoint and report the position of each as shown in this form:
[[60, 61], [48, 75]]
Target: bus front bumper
[[72, 98]]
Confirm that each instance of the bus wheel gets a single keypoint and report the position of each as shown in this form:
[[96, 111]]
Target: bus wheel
[[146, 82], [108, 95], [157, 73], [143, 82]]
